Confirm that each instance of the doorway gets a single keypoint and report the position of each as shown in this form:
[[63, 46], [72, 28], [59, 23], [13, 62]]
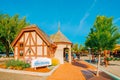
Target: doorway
[[66, 54]]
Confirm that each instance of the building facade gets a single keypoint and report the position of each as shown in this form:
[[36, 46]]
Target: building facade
[[32, 43]]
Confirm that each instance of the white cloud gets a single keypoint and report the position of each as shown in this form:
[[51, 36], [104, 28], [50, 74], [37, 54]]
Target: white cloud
[[116, 20], [82, 21], [92, 6]]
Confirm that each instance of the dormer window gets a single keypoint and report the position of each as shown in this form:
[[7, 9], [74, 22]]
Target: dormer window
[[21, 45]]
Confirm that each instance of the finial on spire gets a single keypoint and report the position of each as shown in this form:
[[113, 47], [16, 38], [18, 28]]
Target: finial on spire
[[58, 26]]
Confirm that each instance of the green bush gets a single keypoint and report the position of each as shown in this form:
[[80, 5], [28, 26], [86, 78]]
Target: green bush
[[109, 58], [118, 59], [26, 65], [114, 59], [17, 64]]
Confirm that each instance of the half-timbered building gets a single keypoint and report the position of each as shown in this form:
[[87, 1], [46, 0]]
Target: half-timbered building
[[32, 43]]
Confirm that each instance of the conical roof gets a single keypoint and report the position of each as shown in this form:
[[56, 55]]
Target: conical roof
[[59, 37]]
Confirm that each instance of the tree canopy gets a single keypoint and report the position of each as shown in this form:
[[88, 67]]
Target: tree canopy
[[103, 35], [10, 26], [77, 48]]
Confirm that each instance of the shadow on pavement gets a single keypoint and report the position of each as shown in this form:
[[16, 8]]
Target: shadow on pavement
[[91, 74]]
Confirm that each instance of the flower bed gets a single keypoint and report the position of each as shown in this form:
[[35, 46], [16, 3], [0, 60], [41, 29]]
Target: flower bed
[[21, 65], [40, 69], [2, 66]]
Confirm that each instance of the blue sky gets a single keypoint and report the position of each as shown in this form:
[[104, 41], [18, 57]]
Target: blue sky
[[76, 17]]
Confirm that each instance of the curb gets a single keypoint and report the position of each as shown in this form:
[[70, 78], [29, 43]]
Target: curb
[[112, 75], [29, 73]]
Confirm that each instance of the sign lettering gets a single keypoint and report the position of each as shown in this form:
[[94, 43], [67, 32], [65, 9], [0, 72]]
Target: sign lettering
[[39, 62]]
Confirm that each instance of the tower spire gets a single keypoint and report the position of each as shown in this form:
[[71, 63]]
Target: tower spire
[[58, 26]]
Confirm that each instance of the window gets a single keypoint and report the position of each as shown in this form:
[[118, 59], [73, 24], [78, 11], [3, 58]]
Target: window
[[21, 49], [21, 52], [21, 45]]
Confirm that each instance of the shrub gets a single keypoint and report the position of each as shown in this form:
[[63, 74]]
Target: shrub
[[114, 59], [118, 59], [26, 65], [55, 61], [109, 59], [17, 64]]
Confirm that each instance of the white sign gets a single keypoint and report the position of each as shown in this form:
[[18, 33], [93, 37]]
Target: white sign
[[39, 62]]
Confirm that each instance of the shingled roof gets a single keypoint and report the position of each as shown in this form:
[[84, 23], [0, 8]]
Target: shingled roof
[[59, 37], [44, 36]]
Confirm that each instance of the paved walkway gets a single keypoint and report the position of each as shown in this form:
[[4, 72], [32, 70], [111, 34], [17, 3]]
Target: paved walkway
[[113, 67], [79, 70], [67, 72]]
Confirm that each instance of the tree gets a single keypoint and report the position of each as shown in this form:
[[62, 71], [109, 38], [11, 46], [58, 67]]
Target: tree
[[75, 48], [2, 48], [104, 35], [81, 48], [10, 26]]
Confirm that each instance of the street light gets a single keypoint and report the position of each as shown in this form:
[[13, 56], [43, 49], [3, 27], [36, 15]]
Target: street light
[[89, 50]]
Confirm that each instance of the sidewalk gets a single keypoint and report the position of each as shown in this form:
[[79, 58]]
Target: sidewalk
[[113, 68], [67, 72], [79, 70]]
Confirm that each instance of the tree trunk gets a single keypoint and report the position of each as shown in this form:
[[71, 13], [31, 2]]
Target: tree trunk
[[106, 62], [98, 65], [7, 50], [10, 46]]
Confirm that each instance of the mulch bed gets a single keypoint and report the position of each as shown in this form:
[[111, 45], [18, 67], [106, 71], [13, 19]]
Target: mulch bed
[[39, 69], [2, 66]]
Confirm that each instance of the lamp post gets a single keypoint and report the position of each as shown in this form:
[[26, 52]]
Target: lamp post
[[89, 50]]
